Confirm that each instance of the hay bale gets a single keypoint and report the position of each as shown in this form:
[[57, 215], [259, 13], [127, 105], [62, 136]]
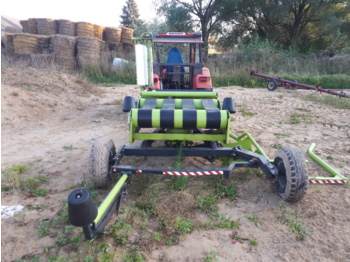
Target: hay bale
[[127, 48], [65, 27], [115, 47], [62, 45], [42, 61], [84, 29], [32, 26], [29, 26], [112, 35], [9, 46], [88, 50], [65, 63], [25, 44], [126, 35], [98, 31], [46, 26], [24, 24], [44, 44]]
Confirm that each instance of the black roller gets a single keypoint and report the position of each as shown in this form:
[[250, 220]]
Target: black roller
[[129, 103], [228, 105], [81, 209]]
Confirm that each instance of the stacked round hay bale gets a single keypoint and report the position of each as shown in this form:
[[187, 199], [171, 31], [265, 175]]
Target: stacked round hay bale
[[98, 31], [29, 26], [85, 29], [65, 27], [25, 44], [9, 46], [126, 35], [63, 49], [88, 51], [126, 39], [112, 37], [46, 26]]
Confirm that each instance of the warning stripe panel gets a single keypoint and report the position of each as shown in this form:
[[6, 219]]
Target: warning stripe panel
[[327, 181], [193, 173]]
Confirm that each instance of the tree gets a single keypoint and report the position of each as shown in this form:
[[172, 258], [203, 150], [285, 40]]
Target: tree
[[177, 18], [306, 24], [130, 15], [209, 14]]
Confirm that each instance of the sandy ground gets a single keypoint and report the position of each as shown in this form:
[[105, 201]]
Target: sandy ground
[[50, 119]]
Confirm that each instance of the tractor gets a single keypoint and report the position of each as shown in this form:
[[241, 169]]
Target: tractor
[[178, 110]]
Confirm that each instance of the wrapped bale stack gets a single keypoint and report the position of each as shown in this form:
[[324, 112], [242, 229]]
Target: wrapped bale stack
[[63, 49], [85, 29], [88, 51], [46, 26], [65, 27]]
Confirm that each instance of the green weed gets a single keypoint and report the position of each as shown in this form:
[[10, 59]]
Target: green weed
[[37, 207], [277, 146], [229, 192], [12, 175], [337, 102], [283, 134], [212, 256], [255, 219], [208, 204], [218, 221], [31, 185], [291, 219], [89, 258], [157, 236], [184, 226], [44, 228]]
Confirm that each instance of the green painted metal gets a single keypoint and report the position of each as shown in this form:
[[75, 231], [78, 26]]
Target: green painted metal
[[336, 175], [178, 118], [170, 94], [253, 142], [177, 136], [178, 103], [109, 199]]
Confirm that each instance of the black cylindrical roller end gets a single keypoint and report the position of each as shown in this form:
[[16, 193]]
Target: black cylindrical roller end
[[129, 103], [229, 105], [81, 209]]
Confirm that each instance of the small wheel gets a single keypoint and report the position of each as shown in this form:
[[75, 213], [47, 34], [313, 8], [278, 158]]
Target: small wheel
[[102, 158], [271, 85], [292, 179]]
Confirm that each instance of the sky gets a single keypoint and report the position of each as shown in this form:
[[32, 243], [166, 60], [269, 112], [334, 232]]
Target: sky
[[101, 12]]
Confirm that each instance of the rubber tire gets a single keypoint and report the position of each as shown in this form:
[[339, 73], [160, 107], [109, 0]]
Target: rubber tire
[[101, 162], [292, 179], [271, 85]]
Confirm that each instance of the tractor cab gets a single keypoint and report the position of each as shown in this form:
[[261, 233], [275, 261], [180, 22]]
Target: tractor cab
[[176, 63]]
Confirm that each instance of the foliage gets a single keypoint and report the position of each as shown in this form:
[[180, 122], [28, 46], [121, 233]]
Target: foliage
[[12, 175], [291, 219], [177, 18], [184, 226], [130, 14], [297, 24]]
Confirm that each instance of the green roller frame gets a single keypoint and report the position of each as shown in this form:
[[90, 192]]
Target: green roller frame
[[336, 178]]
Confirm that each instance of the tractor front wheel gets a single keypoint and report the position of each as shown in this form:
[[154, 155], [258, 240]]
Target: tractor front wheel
[[292, 179], [102, 158]]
